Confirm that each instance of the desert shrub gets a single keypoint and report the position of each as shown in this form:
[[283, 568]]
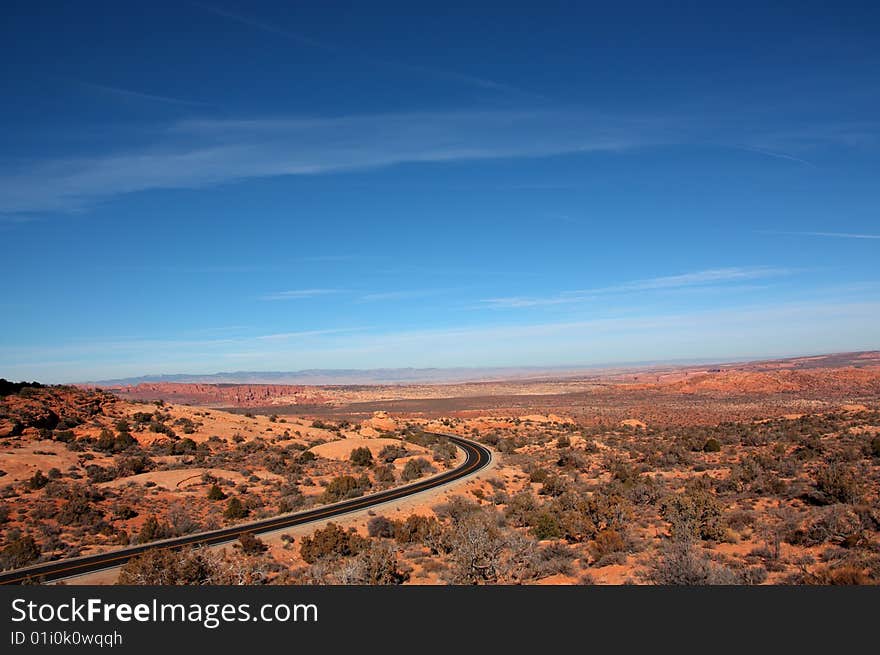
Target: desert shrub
[[4, 513], [391, 452], [235, 509], [331, 541], [384, 474], [105, 440], [291, 499], [380, 526], [476, 545], [553, 485], [216, 493], [122, 441], [545, 525], [80, 510], [133, 464], [572, 459], [842, 574], [307, 456], [152, 530], [538, 475], [37, 481], [376, 564], [20, 551], [183, 447], [507, 446], [837, 482], [679, 562], [180, 521], [739, 519], [607, 545], [123, 512], [837, 523], [456, 508], [416, 529], [361, 457], [694, 513], [563, 441], [520, 509], [712, 445], [608, 510], [875, 447], [444, 451], [98, 474], [250, 544], [345, 486], [167, 567], [64, 436], [415, 468]]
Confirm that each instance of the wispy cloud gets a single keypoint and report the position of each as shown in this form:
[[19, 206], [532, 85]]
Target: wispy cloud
[[298, 294], [704, 278], [287, 336], [777, 155], [832, 235], [129, 94], [411, 294], [195, 154], [360, 55]]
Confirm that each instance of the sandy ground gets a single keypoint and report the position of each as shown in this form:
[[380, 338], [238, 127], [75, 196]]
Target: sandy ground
[[341, 450]]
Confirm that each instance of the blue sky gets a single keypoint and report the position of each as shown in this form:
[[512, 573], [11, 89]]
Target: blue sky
[[200, 187]]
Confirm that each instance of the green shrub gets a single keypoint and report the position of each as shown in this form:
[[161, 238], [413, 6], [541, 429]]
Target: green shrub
[[216, 493], [695, 513], [546, 526], [361, 457], [712, 445], [235, 509], [345, 486], [37, 481], [415, 468]]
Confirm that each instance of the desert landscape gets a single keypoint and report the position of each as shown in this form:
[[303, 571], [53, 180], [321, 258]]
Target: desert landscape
[[763, 472]]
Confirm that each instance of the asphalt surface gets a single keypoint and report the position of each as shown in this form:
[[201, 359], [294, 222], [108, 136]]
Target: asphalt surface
[[478, 457]]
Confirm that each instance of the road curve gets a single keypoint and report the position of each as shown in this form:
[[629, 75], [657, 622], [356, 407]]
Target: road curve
[[478, 457]]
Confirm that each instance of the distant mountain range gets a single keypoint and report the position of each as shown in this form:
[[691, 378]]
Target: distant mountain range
[[466, 374], [348, 376]]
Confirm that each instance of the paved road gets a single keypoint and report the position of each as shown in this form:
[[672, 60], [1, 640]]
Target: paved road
[[478, 457]]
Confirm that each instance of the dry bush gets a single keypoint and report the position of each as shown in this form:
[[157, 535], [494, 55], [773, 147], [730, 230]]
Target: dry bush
[[331, 541], [380, 526], [838, 483], [375, 565], [250, 544], [20, 550], [193, 567], [694, 513], [680, 562]]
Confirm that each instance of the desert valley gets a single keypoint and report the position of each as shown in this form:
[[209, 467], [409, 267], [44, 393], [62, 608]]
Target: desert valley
[[746, 473]]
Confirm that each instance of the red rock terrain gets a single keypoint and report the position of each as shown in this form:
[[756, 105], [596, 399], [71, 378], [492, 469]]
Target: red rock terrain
[[234, 395]]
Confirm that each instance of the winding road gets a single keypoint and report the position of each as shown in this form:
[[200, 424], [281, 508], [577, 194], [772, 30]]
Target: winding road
[[477, 457]]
